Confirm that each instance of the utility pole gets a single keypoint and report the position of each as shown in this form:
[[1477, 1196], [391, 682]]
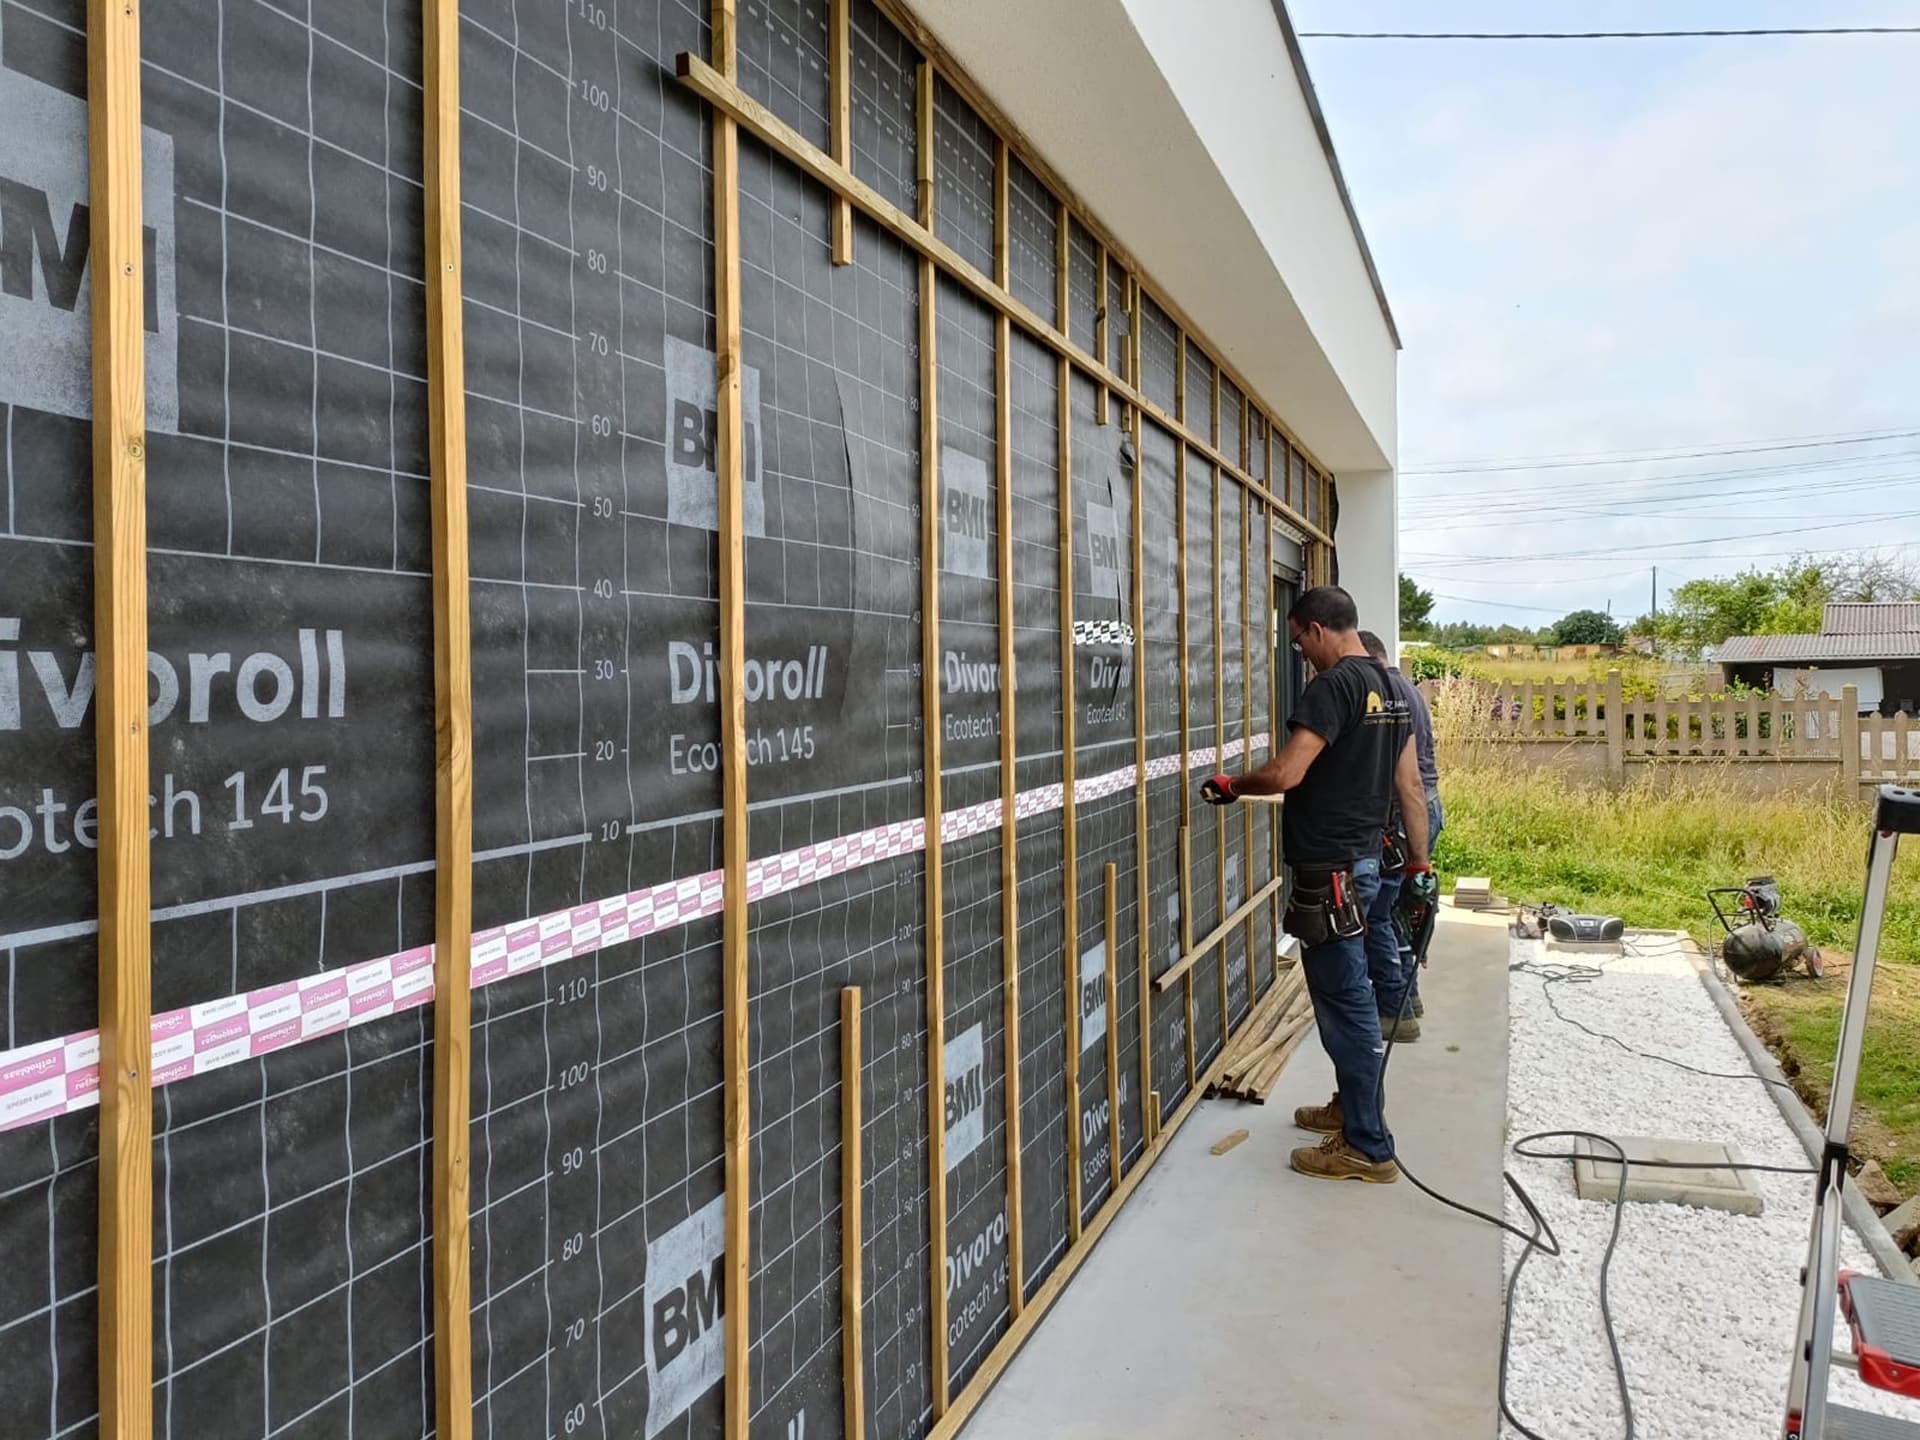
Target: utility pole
[[1656, 592]]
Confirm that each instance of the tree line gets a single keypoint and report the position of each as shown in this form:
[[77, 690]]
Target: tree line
[[1784, 600]]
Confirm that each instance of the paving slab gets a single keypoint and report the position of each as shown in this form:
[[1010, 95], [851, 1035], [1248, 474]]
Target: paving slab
[[1233, 1298], [1736, 1191]]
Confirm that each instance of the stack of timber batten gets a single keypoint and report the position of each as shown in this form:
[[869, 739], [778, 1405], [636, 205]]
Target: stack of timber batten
[[1259, 1053]]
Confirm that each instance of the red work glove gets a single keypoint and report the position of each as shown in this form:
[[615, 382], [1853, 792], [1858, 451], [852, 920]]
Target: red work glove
[[1218, 790]]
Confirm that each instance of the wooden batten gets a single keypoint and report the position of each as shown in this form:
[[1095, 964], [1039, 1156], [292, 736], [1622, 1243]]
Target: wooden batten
[[453, 725], [1247, 504], [123, 861], [1001, 124], [729, 453], [721, 92], [1143, 891], [1101, 348], [853, 1349], [1113, 1028], [1186, 713], [1198, 950], [1069, 834], [1009, 769], [930, 735], [1219, 713], [840, 119]]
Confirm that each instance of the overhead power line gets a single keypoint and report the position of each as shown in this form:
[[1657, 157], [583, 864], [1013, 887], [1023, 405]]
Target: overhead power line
[[1653, 456], [1607, 34], [1721, 541], [1500, 604]]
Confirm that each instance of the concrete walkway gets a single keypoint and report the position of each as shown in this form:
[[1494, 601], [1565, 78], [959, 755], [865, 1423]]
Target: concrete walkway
[[1234, 1298]]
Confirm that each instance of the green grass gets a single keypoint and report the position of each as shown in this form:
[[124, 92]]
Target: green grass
[[1647, 852]]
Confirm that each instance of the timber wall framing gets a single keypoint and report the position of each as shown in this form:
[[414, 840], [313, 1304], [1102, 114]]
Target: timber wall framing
[[1249, 477]]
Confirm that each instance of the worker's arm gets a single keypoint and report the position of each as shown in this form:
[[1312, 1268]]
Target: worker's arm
[[1413, 805], [1278, 775]]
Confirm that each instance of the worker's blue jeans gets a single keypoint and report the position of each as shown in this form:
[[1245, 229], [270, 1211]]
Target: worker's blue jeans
[[1396, 974], [1349, 1021], [1390, 970]]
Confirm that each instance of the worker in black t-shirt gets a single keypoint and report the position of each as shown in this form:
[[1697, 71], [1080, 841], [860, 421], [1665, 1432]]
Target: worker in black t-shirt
[[1349, 753]]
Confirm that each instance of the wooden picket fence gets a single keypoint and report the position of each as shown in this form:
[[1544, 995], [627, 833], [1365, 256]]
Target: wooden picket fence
[[1732, 727]]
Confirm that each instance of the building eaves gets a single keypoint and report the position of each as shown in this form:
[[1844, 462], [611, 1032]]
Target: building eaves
[[1333, 163]]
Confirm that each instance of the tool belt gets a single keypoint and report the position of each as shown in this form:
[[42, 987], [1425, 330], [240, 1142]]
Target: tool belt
[[1393, 852], [1322, 906]]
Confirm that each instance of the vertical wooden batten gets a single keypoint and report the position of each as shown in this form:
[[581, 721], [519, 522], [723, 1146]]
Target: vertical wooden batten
[[453, 727], [853, 1355], [1186, 709], [1113, 1029], [125, 957], [1009, 774], [1069, 769], [930, 733], [1247, 504], [728, 466], [1100, 347], [1220, 720], [1142, 929], [840, 118]]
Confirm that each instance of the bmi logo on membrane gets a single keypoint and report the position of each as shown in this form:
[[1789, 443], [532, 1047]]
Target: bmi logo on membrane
[[46, 233]]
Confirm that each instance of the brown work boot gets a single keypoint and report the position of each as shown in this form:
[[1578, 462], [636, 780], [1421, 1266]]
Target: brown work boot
[[1334, 1159], [1403, 1031], [1321, 1119]]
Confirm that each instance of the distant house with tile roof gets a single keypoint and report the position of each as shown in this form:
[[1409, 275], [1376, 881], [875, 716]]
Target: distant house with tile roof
[[1873, 647]]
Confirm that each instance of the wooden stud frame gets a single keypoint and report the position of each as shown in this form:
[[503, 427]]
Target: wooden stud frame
[[853, 1347], [718, 83], [125, 959], [120, 639], [930, 735], [1069, 767], [1009, 770], [723, 93], [728, 465], [929, 44]]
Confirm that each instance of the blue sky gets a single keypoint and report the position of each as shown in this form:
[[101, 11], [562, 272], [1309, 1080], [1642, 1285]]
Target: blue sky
[[1605, 247]]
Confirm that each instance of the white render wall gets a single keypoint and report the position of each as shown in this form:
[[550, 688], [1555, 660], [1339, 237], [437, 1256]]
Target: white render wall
[[1228, 66], [1370, 549]]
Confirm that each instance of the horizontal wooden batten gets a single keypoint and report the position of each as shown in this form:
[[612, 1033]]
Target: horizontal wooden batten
[[771, 130], [1164, 981]]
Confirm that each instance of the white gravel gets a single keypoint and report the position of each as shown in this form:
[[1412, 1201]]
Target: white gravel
[[1704, 1302]]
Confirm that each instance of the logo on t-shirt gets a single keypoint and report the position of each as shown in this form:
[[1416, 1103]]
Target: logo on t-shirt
[[1374, 703]]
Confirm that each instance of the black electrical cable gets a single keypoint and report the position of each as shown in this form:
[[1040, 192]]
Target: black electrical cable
[[1542, 1238], [1552, 974]]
